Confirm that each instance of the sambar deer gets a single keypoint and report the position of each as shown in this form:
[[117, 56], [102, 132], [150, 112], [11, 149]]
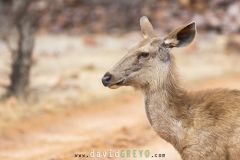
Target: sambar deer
[[203, 125]]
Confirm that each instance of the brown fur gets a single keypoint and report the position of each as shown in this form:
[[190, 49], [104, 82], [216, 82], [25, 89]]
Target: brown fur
[[202, 125], [209, 121]]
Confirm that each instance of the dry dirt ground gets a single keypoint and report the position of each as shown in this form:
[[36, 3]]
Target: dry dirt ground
[[115, 123]]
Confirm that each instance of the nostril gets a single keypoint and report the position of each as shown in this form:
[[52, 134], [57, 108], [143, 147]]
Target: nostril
[[106, 78]]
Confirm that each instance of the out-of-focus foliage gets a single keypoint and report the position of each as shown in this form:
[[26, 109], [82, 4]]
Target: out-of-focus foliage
[[81, 16]]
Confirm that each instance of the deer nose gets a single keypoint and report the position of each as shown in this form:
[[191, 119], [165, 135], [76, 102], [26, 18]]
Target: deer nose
[[106, 79]]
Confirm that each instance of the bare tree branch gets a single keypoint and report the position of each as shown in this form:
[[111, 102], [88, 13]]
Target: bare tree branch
[[8, 44], [25, 17]]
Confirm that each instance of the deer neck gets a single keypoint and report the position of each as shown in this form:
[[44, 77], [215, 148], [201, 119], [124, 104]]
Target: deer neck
[[166, 111]]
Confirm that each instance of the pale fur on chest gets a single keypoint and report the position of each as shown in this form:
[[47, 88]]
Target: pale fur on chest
[[163, 119]]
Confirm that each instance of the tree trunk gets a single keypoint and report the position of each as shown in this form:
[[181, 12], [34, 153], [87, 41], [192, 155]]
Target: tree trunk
[[22, 60]]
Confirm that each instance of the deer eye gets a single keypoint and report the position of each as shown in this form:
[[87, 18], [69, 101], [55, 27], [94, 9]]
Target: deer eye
[[143, 55]]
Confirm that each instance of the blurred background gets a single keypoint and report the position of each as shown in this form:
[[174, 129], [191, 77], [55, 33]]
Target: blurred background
[[53, 54]]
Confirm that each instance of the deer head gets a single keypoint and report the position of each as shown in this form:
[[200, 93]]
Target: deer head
[[149, 62]]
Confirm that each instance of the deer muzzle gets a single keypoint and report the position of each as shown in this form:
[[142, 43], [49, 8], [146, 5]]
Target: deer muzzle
[[108, 81]]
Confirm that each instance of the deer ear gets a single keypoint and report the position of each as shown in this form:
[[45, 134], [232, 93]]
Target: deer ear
[[181, 36], [146, 27]]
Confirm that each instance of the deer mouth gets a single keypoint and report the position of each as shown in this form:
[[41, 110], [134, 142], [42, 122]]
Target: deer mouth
[[117, 84]]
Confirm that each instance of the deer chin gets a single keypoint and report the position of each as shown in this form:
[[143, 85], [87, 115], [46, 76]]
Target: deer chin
[[117, 84], [114, 86]]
